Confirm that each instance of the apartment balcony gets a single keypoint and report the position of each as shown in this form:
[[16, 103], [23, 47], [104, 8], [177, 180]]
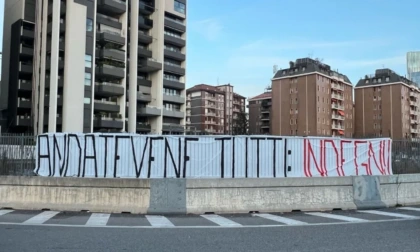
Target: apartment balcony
[[27, 33], [112, 54], [338, 117], [62, 9], [26, 51], [149, 111], [174, 98], [144, 52], [60, 83], [144, 97], [145, 9], [145, 38], [413, 103], [62, 27], [177, 41], [24, 103], [175, 24], [106, 89], [149, 65], [336, 86], [413, 94], [173, 84], [145, 23], [109, 21], [47, 101], [337, 97], [266, 103], [265, 118], [337, 127], [24, 121], [337, 106], [25, 68], [24, 85], [212, 114], [108, 71], [111, 7], [265, 126], [173, 113], [413, 121], [106, 106], [172, 127], [265, 111], [61, 46], [105, 37], [174, 69], [108, 122], [173, 54], [414, 131], [144, 82], [413, 112], [143, 127]]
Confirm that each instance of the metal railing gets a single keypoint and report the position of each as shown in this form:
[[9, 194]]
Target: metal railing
[[17, 152]]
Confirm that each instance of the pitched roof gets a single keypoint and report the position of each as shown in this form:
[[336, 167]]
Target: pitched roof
[[265, 95]]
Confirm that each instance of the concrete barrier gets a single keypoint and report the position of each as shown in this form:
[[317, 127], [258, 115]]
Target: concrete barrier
[[198, 196]]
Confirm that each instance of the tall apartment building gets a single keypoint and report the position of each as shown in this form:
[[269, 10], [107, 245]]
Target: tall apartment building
[[387, 105], [17, 61], [311, 99], [260, 109], [213, 109], [413, 67], [109, 66]]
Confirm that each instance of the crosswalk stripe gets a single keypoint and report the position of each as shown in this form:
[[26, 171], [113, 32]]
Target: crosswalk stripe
[[41, 218], [221, 221], [159, 221], [3, 212], [337, 217], [404, 208], [98, 219], [404, 216], [277, 218]]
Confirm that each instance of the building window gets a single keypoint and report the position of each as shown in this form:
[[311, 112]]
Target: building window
[[89, 25], [87, 100], [88, 61], [88, 79], [179, 7]]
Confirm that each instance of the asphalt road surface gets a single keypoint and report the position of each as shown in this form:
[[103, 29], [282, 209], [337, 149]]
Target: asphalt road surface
[[380, 230]]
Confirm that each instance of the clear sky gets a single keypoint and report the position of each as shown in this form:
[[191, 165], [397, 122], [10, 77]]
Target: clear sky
[[239, 41]]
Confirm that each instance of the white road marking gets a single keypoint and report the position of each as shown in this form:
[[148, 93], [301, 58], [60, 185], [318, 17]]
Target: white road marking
[[277, 218], [3, 212], [221, 221], [159, 221], [337, 217], [404, 208], [41, 218], [404, 216], [98, 219]]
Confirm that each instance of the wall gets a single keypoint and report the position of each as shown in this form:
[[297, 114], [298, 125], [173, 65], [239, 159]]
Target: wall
[[198, 196], [149, 156]]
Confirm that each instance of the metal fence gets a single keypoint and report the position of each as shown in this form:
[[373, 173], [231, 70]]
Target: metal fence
[[17, 155]]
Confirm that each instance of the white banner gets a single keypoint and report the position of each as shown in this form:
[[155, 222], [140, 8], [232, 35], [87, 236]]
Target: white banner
[[152, 156]]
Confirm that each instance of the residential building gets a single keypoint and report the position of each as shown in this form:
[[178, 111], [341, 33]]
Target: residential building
[[387, 105], [259, 109], [413, 67], [311, 99], [17, 63], [109, 66], [212, 109]]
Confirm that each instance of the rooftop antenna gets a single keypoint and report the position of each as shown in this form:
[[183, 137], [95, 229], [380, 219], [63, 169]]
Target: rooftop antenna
[[275, 69]]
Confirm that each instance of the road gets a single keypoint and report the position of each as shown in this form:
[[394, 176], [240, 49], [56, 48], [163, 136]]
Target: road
[[384, 230]]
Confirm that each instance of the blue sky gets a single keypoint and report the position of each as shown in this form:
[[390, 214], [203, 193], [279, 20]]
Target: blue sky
[[239, 41]]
